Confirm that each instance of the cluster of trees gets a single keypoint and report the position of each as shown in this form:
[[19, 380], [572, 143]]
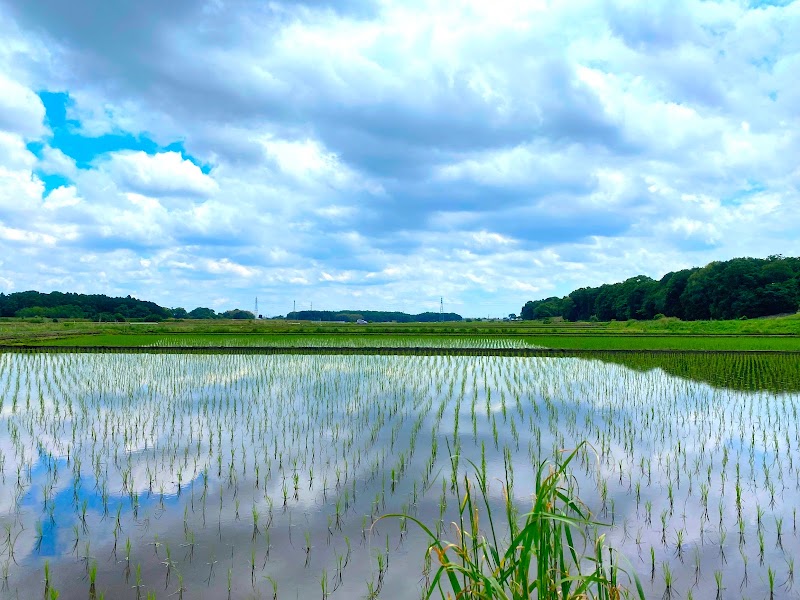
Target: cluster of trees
[[202, 312], [98, 307], [60, 305], [741, 287], [373, 316]]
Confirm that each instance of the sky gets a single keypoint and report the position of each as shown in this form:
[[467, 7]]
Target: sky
[[384, 155]]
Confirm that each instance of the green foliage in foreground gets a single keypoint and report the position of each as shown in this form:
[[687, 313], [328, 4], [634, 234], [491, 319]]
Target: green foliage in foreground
[[548, 554]]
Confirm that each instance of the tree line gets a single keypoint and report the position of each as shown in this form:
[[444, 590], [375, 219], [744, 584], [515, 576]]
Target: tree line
[[732, 289], [373, 316], [99, 307]]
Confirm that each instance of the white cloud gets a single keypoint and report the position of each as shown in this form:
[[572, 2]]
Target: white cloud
[[62, 197], [308, 163], [489, 239], [20, 190], [530, 165], [54, 161], [694, 228], [228, 267], [304, 159], [21, 110], [21, 235], [14, 153], [161, 174]]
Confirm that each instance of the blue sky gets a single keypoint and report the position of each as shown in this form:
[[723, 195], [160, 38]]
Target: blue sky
[[381, 155]]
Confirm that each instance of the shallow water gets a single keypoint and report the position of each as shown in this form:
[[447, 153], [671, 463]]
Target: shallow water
[[152, 467], [344, 341]]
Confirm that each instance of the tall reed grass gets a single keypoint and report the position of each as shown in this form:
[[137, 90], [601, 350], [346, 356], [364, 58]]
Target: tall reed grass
[[546, 553]]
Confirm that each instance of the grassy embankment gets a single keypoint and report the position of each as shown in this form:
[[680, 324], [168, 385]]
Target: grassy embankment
[[778, 334]]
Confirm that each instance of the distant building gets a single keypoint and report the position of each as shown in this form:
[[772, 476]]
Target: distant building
[[361, 322]]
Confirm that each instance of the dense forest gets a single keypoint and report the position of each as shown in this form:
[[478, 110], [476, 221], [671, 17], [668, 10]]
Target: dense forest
[[733, 289], [373, 316], [98, 307]]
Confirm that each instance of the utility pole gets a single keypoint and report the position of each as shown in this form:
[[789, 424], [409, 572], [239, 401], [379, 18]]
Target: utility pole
[[256, 313], [441, 309]]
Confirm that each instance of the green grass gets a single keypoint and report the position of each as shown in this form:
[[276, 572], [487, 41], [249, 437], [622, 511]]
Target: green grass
[[547, 554], [779, 325]]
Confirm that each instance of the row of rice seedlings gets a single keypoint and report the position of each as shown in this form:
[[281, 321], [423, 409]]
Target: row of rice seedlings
[[744, 371], [340, 341]]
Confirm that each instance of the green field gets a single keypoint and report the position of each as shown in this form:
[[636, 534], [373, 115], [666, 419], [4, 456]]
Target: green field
[[778, 334], [445, 341]]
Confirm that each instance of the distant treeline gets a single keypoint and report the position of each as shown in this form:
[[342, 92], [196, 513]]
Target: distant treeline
[[741, 287], [373, 316], [98, 307]]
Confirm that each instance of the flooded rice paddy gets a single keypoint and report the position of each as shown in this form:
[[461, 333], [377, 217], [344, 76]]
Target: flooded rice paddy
[[247, 476], [340, 341]]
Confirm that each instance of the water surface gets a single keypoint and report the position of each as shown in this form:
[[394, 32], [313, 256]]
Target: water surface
[[217, 475]]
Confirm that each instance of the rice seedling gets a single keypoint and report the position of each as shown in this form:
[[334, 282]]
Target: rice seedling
[[771, 582], [668, 580], [274, 584]]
